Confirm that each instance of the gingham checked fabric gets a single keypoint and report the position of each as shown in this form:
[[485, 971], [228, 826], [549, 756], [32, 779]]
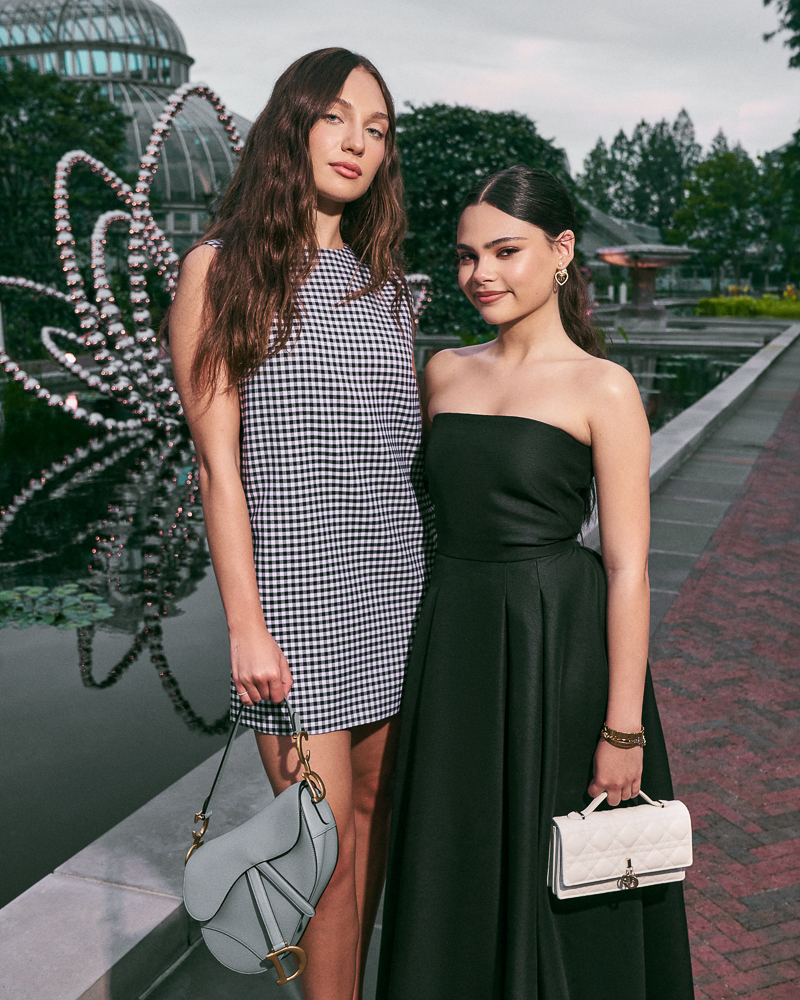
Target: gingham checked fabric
[[332, 469]]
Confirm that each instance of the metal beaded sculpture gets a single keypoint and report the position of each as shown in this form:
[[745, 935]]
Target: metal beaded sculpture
[[132, 373]]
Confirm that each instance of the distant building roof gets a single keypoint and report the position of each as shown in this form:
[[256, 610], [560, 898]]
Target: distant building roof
[[89, 23], [603, 230], [136, 53]]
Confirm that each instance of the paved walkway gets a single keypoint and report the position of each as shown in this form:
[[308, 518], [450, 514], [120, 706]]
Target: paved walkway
[[725, 661], [725, 651]]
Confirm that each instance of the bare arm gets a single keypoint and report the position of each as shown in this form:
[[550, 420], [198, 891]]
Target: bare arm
[[259, 667], [621, 454], [428, 382]]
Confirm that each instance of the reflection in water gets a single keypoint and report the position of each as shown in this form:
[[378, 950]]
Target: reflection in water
[[147, 556], [145, 552], [670, 381], [151, 635], [140, 560]]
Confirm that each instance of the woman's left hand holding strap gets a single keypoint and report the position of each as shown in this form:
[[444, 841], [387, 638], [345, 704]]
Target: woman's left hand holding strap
[[260, 670]]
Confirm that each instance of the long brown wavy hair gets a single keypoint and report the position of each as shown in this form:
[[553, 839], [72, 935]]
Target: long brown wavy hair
[[534, 195], [266, 224]]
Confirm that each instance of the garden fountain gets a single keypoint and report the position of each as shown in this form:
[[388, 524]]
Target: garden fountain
[[644, 260]]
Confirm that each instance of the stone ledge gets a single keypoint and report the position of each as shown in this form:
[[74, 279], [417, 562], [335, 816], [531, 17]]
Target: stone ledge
[[683, 435], [106, 924], [677, 441]]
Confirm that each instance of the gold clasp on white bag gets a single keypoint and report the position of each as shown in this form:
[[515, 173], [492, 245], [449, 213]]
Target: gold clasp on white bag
[[629, 879], [300, 955]]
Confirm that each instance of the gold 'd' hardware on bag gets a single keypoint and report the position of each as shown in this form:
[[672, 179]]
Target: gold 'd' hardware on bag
[[312, 779], [302, 962]]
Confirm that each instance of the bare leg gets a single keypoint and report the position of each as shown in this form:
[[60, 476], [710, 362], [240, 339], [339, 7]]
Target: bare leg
[[374, 747], [331, 941]]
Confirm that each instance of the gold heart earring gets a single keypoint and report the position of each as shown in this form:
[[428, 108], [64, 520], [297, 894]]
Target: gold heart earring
[[562, 275]]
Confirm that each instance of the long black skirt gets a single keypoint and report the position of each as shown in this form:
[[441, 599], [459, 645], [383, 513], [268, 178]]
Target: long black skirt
[[502, 709]]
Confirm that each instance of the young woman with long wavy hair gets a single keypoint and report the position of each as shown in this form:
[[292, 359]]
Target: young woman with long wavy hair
[[528, 644], [291, 340]]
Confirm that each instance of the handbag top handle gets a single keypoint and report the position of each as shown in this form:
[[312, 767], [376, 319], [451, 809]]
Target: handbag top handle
[[315, 784], [603, 796]]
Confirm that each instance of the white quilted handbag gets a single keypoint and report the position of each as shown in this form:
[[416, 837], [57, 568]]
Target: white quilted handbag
[[616, 849]]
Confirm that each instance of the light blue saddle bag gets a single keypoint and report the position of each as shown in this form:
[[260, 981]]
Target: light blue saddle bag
[[253, 890]]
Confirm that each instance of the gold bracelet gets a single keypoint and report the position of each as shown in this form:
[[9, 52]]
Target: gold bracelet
[[624, 741]]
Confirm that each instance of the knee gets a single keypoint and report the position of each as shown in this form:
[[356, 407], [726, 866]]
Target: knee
[[346, 833], [372, 795], [342, 880]]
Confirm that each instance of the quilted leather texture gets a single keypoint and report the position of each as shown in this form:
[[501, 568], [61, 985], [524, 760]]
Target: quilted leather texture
[[589, 854]]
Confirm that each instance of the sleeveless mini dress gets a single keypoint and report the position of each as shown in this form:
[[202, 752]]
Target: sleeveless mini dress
[[332, 470]]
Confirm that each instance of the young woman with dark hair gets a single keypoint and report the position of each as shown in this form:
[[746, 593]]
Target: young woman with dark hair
[[528, 644], [291, 341]]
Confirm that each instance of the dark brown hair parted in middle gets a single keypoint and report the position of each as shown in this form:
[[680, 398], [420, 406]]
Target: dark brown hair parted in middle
[[534, 195], [266, 224]]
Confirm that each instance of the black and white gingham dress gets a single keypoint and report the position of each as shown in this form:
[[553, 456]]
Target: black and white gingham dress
[[332, 470]]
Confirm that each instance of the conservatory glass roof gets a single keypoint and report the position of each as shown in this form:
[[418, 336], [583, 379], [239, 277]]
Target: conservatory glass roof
[[80, 23], [136, 53]]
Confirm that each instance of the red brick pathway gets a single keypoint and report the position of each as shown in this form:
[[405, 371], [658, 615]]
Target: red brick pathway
[[726, 661]]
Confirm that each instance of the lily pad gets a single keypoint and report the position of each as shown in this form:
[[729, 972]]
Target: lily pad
[[64, 607]]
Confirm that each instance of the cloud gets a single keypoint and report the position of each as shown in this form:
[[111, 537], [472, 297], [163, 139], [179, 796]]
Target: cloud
[[579, 69]]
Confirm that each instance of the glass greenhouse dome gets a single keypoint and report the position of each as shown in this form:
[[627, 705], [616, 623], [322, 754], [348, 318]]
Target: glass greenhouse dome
[[137, 54]]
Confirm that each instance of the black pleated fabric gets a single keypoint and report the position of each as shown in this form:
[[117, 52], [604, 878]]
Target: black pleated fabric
[[503, 702]]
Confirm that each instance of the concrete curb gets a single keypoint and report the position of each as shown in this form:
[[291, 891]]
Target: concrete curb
[[683, 435], [108, 922], [677, 440]]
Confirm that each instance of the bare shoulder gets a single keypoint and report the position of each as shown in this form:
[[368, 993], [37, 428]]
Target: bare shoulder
[[445, 365], [185, 315], [196, 263], [189, 295], [608, 384]]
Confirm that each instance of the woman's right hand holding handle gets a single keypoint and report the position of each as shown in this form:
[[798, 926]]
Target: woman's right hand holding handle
[[260, 670]]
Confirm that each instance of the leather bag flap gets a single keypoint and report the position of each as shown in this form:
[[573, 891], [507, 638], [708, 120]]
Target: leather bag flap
[[212, 870], [596, 848]]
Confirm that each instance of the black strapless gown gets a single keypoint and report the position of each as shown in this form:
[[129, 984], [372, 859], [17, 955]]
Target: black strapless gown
[[503, 702]]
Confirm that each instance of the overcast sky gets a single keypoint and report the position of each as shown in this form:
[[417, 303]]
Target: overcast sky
[[579, 68]]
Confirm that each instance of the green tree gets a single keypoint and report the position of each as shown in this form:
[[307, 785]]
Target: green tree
[[444, 151], [606, 181], [790, 230], [41, 118], [779, 204], [642, 177], [720, 215], [789, 21]]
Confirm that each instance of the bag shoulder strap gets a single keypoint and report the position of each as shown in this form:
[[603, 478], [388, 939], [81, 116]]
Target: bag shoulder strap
[[296, 728]]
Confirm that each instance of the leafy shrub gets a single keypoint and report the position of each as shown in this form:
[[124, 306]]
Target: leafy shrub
[[746, 306]]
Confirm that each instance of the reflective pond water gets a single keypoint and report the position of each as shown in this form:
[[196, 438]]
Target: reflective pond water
[[670, 383], [113, 648], [113, 658]]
